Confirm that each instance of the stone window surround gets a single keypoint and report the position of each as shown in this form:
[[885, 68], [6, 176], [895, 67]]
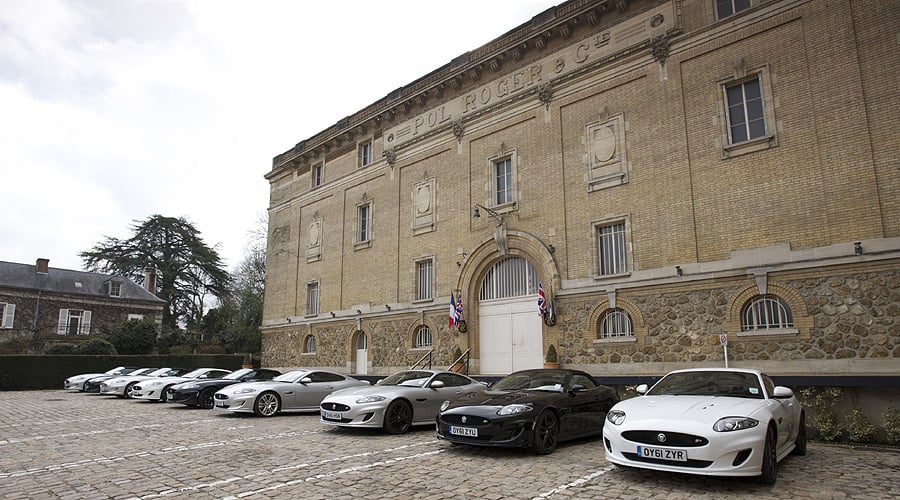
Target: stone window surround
[[513, 157], [367, 243], [310, 286], [742, 74], [306, 340], [639, 327], [715, 10], [415, 277], [595, 253], [413, 328], [320, 167], [803, 322]]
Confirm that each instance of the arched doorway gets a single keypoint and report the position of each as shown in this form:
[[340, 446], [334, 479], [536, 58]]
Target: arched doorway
[[361, 343], [510, 329]]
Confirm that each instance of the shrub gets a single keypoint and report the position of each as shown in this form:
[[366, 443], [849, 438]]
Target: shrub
[[891, 422], [62, 348], [822, 402], [133, 336], [859, 429], [97, 346]]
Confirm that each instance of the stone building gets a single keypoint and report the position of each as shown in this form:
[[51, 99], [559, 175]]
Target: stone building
[[671, 175], [39, 302]]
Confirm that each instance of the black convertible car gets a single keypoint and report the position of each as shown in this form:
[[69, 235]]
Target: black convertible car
[[528, 409], [200, 392]]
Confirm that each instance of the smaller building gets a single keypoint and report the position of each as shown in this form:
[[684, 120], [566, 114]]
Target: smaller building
[[43, 303]]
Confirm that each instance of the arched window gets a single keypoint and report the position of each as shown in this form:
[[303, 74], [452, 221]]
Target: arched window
[[615, 323], [766, 312], [423, 337], [510, 277], [310, 345]]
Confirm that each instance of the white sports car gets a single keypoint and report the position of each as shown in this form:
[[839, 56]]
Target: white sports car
[[709, 421], [76, 382], [123, 386], [155, 389]]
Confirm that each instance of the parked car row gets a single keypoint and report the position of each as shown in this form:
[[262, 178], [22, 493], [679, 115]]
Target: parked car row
[[709, 421]]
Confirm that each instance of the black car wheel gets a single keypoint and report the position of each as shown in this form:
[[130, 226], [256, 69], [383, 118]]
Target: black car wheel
[[129, 390], [800, 443], [769, 460], [546, 432], [266, 405], [164, 395], [397, 417], [205, 399]]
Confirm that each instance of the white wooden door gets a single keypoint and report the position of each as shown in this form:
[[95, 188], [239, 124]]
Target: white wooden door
[[510, 335], [362, 354]]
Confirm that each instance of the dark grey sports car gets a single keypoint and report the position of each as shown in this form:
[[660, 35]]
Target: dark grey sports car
[[528, 409], [200, 392]]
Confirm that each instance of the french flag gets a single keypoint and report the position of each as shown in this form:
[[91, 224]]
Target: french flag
[[454, 315]]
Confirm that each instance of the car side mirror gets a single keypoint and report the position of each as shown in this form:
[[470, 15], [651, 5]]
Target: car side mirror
[[782, 392], [642, 389], [437, 384], [305, 380], [577, 388]]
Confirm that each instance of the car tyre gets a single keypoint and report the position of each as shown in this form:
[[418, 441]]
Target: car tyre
[[546, 433], [164, 395], [397, 417], [129, 390], [800, 443], [769, 469], [266, 405], [206, 399]]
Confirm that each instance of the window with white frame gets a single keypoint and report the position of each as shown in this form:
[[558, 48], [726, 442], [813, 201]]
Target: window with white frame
[[424, 279], [745, 111], [364, 223], [765, 313], [503, 182], [423, 337], [611, 249], [115, 289], [727, 8], [135, 316], [74, 322], [365, 154], [615, 324], [310, 345], [7, 315], [316, 174], [312, 298]]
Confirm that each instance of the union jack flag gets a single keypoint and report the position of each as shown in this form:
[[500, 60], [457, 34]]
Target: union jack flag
[[459, 309], [542, 301]]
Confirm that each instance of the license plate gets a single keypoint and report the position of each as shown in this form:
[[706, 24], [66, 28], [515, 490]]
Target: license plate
[[662, 453], [463, 431], [331, 415], [222, 405]]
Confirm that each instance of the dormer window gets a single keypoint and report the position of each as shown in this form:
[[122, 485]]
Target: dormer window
[[115, 289], [78, 285]]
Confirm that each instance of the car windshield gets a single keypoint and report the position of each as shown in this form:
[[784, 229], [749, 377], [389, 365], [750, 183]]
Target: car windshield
[[237, 374], [141, 371], [195, 373], [292, 376], [119, 370], [532, 380], [159, 372], [410, 378], [708, 383]]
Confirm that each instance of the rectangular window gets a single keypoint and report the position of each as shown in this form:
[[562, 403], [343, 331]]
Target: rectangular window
[[115, 289], [7, 315], [312, 299], [364, 222], [365, 154], [316, 173], [74, 322], [503, 182], [424, 277], [726, 8], [611, 243], [744, 107], [135, 316]]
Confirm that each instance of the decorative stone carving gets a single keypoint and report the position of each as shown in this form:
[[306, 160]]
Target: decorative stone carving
[[390, 157], [545, 94], [660, 48], [458, 130]]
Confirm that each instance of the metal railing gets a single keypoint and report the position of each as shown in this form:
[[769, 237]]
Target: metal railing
[[461, 364], [423, 362]]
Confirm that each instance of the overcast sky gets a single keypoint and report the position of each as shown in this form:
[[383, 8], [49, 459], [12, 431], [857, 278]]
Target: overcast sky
[[115, 110]]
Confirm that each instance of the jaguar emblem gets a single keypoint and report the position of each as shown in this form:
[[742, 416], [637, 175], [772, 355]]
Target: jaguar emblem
[[661, 437], [464, 419]]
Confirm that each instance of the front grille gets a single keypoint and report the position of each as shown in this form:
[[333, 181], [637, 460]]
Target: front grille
[[694, 464], [456, 419], [334, 406], [671, 438], [221, 396]]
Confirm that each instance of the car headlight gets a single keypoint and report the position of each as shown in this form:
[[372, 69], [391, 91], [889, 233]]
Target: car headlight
[[370, 399], [514, 409], [245, 390], [729, 424], [615, 417]]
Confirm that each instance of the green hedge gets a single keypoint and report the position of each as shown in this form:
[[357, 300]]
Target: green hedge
[[29, 372]]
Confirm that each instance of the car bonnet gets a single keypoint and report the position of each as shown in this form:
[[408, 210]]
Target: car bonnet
[[695, 408]]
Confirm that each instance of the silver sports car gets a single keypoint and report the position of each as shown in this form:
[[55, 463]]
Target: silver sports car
[[298, 390], [76, 382], [123, 386], [398, 402], [155, 389]]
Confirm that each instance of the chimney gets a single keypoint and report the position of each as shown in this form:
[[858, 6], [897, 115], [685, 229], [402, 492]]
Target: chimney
[[150, 279], [42, 266]]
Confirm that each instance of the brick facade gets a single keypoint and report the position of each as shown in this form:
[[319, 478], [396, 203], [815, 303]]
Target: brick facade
[[614, 114]]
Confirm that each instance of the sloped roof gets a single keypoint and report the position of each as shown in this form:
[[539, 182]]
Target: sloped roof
[[26, 277]]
